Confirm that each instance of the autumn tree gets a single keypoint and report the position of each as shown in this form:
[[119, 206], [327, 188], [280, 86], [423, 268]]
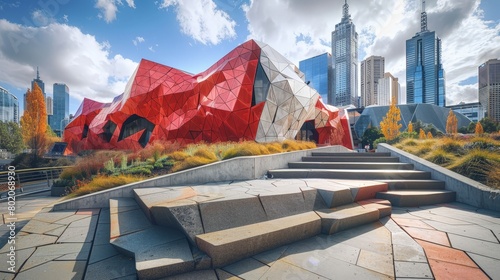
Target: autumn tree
[[479, 129], [410, 127], [390, 125], [34, 123], [429, 135], [452, 123], [421, 135]]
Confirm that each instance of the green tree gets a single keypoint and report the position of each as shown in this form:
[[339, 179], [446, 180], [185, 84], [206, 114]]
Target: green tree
[[34, 123], [10, 137], [370, 135], [390, 125], [489, 125]]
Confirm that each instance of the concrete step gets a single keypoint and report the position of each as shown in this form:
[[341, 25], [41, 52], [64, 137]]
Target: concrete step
[[352, 174], [414, 198], [230, 245], [345, 217], [158, 251], [351, 165], [415, 184], [352, 154], [348, 159]]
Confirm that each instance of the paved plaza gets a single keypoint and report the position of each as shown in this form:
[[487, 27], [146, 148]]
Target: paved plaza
[[445, 241]]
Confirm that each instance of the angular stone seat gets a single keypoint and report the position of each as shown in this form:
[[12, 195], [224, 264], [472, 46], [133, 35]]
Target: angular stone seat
[[345, 217], [230, 245]]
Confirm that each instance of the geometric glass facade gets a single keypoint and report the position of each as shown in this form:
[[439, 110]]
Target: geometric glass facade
[[345, 61], [489, 88], [9, 107], [60, 107], [425, 76], [252, 93], [318, 71]]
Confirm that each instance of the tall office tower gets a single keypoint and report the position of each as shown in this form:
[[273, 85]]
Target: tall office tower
[[318, 72], [50, 105], [345, 61], [425, 76], [40, 83], [388, 88], [372, 69], [489, 88], [9, 106], [61, 108]]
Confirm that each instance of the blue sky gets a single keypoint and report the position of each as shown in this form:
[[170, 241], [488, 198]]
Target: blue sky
[[94, 46]]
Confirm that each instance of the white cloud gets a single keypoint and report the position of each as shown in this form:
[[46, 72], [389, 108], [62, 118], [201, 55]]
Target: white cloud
[[69, 56], [65, 18], [41, 18], [109, 8], [202, 20], [138, 40], [302, 29]]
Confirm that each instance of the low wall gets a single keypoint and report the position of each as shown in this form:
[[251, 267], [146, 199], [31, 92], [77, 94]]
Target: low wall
[[468, 191], [235, 169]]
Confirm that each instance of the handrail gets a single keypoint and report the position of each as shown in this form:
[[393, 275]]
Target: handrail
[[34, 179]]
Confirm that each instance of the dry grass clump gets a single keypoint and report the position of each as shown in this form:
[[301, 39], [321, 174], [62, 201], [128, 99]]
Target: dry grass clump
[[91, 165], [440, 157], [200, 157], [274, 147], [102, 182], [451, 145], [247, 148], [477, 165]]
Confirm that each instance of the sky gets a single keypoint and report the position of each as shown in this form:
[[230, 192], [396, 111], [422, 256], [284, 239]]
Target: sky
[[94, 46]]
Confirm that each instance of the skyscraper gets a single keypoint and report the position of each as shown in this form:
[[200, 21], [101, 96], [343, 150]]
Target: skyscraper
[[425, 76], [9, 106], [489, 88], [388, 88], [61, 108], [345, 61], [372, 69], [318, 71]]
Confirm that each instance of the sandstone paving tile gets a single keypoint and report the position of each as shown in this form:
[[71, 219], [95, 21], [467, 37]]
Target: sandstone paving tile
[[35, 226], [102, 252], [445, 270], [102, 235], [156, 236], [489, 265], [248, 268], [122, 205], [284, 270], [446, 254], [111, 268], [59, 252], [412, 223], [480, 247], [473, 231], [380, 263], [224, 275], [55, 270], [412, 270], [56, 232], [30, 241], [270, 256], [52, 217], [208, 274], [6, 275], [21, 257], [88, 211], [128, 222], [430, 216], [428, 235], [409, 253], [73, 218], [373, 237], [104, 216], [76, 234], [167, 196]]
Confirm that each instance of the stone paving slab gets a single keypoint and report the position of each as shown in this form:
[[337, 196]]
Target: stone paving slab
[[55, 270], [52, 252], [248, 268]]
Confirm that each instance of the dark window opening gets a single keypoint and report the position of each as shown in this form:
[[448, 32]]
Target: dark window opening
[[135, 124], [85, 131], [308, 132], [109, 129], [260, 86]]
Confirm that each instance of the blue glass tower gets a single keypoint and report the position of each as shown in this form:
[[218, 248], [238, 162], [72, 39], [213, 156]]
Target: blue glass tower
[[9, 107], [318, 71], [425, 76], [61, 108], [345, 61]]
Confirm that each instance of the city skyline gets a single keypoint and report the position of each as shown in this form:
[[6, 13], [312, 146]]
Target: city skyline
[[94, 47]]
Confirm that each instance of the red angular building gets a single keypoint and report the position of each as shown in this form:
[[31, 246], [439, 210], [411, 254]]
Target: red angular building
[[252, 93]]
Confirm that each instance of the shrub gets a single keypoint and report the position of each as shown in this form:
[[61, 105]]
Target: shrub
[[245, 149], [274, 147], [378, 141], [440, 157], [138, 170], [476, 164], [103, 182], [483, 143], [205, 153], [178, 155], [62, 183], [191, 162], [450, 145]]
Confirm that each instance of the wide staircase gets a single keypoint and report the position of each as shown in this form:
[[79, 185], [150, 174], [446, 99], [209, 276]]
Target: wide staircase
[[173, 230]]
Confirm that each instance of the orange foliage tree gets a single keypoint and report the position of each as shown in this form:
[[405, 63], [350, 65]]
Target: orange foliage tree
[[34, 122], [390, 125], [410, 127], [429, 135], [479, 129], [421, 135], [452, 123]]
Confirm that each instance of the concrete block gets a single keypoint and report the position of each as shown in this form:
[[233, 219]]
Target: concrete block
[[232, 212], [345, 217], [183, 215], [230, 245], [363, 190], [164, 260], [383, 206], [282, 205], [128, 222], [312, 199], [417, 198], [333, 194]]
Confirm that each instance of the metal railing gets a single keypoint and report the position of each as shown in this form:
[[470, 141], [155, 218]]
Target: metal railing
[[29, 180]]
